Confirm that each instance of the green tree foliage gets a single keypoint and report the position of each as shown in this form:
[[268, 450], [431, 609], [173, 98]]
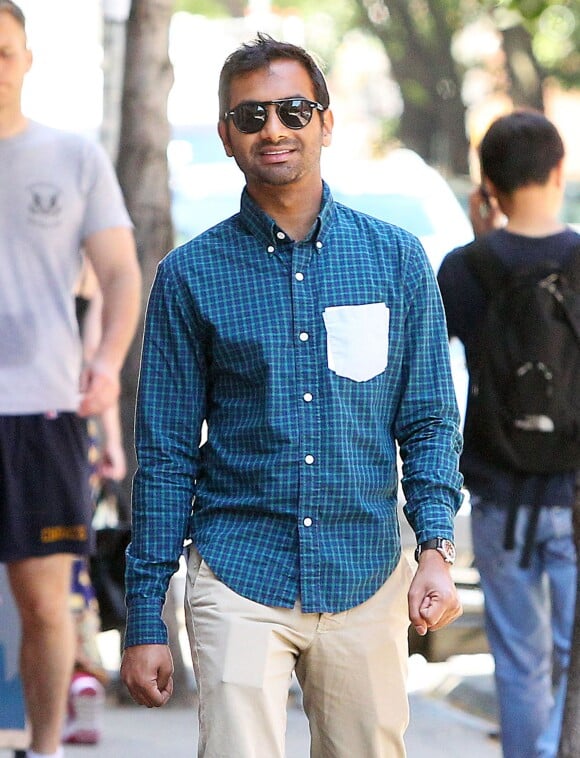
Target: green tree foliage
[[540, 39], [326, 20], [554, 29], [213, 8], [417, 36]]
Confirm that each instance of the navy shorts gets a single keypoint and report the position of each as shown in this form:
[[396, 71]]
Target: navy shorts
[[45, 500]]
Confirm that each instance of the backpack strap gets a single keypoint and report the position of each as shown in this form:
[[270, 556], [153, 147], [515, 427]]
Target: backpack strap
[[569, 296], [486, 266], [572, 268], [492, 274]]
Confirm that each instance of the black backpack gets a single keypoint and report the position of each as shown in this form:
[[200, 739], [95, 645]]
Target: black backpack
[[524, 402]]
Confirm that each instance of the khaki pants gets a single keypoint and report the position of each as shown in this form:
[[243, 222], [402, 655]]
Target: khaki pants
[[352, 668]]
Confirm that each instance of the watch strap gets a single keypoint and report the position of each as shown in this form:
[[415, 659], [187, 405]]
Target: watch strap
[[443, 546]]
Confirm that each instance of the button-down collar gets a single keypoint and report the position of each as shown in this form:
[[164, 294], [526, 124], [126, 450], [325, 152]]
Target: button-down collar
[[261, 226]]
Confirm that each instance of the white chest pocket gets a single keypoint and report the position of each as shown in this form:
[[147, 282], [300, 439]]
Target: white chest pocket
[[357, 340]]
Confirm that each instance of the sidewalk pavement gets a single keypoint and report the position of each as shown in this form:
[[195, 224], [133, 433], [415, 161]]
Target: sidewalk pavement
[[452, 712]]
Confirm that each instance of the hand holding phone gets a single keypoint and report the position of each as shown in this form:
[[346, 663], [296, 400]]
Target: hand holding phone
[[485, 205], [484, 213]]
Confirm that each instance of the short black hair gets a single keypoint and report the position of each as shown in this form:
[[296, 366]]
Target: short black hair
[[14, 10], [519, 149], [259, 53]]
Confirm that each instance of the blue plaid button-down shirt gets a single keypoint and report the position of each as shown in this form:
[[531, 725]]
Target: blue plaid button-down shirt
[[309, 360]]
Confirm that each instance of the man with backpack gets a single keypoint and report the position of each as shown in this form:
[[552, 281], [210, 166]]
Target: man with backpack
[[511, 298]]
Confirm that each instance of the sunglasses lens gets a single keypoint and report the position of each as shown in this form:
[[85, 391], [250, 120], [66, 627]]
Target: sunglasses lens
[[249, 118], [295, 114]]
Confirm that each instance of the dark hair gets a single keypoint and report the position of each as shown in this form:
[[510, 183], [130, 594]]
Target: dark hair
[[519, 149], [259, 53], [9, 7]]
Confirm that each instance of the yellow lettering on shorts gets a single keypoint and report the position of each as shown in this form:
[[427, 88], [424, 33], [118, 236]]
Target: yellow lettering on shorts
[[77, 533]]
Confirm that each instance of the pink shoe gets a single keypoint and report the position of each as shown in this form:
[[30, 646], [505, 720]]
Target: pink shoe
[[86, 699]]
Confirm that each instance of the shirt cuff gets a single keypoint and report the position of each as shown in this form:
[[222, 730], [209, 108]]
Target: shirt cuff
[[144, 623], [437, 522]]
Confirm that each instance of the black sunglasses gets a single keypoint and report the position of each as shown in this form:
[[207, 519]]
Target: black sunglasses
[[293, 112]]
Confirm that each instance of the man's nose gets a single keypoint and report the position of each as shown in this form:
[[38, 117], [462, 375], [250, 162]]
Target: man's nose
[[273, 127]]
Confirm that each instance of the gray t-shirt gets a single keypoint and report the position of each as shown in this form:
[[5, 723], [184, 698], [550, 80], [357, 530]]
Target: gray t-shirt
[[56, 190]]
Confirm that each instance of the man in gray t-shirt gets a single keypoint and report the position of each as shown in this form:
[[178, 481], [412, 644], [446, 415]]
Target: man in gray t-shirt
[[58, 196]]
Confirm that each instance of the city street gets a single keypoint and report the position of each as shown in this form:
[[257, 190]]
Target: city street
[[452, 708], [451, 713]]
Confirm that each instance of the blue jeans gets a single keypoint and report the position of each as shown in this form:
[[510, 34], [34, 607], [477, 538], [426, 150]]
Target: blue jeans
[[529, 616]]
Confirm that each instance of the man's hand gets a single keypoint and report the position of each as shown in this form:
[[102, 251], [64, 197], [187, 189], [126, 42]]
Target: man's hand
[[433, 599], [484, 212], [112, 463], [147, 671], [100, 387]]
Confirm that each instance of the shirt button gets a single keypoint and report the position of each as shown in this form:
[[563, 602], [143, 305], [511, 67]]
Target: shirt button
[[281, 235], [307, 521], [309, 459], [319, 244], [299, 276], [270, 248], [304, 336], [307, 397]]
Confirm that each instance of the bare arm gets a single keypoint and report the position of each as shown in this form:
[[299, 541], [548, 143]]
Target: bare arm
[[112, 463], [88, 289], [433, 599], [113, 256]]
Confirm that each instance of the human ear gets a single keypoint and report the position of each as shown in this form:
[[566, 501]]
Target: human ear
[[223, 132], [558, 172], [327, 126]]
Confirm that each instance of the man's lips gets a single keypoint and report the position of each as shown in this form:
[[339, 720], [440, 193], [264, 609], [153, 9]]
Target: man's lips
[[275, 154]]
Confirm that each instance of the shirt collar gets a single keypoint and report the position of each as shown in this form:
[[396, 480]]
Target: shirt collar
[[271, 236]]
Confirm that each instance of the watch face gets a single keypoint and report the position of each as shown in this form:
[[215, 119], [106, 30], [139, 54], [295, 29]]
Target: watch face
[[444, 547], [448, 550]]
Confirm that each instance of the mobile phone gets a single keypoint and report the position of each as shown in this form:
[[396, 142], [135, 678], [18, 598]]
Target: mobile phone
[[483, 191]]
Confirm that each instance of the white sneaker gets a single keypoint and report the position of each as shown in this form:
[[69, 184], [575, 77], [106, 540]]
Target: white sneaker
[[86, 700]]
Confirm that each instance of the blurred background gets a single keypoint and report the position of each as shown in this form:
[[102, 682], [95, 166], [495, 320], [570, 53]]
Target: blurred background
[[424, 75], [427, 74]]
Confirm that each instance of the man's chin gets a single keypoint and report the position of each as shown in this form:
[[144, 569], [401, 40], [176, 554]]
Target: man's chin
[[277, 175]]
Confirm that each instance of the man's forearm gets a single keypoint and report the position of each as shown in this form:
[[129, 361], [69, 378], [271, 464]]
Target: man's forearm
[[121, 307]]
